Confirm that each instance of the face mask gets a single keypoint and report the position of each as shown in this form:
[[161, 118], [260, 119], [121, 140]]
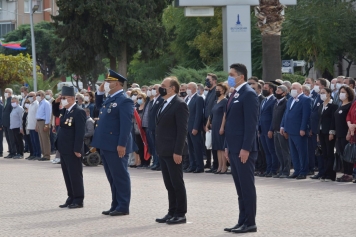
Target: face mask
[[86, 98], [342, 96], [14, 104], [27, 105], [139, 101], [207, 83], [231, 81], [323, 97], [38, 98], [308, 85], [6, 95], [107, 87], [279, 96], [153, 92], [265, 93], [316, 89], [22, 94], [189, 92], [332, 87], [338, 85], [134, 97], [294, 93], [183, 94], [149, 93], [162, 91], [30, 99], [48, 97], [64, 102], [218, 93], [206, 92]]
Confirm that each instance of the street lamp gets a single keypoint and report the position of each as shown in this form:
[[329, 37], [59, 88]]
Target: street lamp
[[33, 9]]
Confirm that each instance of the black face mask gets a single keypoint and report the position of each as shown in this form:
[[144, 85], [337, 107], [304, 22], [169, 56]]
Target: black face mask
[[183, 94], [265, 93], [218, 93], [279, 96], [207, 83], [162, 91]]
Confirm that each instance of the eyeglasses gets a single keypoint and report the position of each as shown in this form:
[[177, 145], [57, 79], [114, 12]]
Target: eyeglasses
[[139, 98]]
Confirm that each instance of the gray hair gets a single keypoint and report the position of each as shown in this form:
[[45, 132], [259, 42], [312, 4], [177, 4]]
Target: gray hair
[[288, 84], [10, 90], [195, 86], [41, 92], [304, 87], [283, 88], [49, 91], [80, 95], [15, 98]]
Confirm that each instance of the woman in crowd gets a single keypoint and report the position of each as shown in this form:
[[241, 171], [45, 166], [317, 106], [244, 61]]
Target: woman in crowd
[[25, 132], [326, 135], [351, 123], [339, 124], [89, 98], [217, 127]]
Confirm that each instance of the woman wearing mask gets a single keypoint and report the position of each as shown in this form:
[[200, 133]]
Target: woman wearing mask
[[25, 132], [339, 124], [89, 98], [326, 135], [215, 122]]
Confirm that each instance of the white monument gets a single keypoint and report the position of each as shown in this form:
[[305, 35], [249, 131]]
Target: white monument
[[236, 25]]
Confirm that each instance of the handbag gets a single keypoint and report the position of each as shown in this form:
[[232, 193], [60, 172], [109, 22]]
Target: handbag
[[208, 142], [350, 151], [318, 151], [338, 166]]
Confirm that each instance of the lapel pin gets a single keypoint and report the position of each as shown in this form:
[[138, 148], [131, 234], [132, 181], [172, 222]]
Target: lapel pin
[[317, 104], [114, 105], [236, 95], [340, 112]]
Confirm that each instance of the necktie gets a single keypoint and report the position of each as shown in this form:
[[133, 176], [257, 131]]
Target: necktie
[[161, 109], [230, 99], [264, 102], [186, 100]]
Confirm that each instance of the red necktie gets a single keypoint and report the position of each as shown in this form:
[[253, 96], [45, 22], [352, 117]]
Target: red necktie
[[230, 99]]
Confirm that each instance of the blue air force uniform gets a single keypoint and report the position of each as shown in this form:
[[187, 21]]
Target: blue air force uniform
[[113, 129]]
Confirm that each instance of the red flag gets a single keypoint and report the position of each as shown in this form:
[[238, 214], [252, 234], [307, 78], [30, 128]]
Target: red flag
[[147, 155]]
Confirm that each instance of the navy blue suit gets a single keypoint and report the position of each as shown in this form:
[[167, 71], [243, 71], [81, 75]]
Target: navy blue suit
[[297, 119], [195, 142], [241, 133], [114, 129], [265, 125]]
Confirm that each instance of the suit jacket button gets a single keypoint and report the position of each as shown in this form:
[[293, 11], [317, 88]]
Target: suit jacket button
[[104, 106], [101, 112], [97, 125], [110, 132]]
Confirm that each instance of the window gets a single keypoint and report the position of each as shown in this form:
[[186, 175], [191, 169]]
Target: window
[[34, 2], [6, 27]]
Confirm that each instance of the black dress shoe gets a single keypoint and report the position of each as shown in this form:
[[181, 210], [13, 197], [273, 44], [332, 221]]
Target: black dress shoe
[[315, 177], [262, 174], [269, 175], [8, 157], [207, 166], [245, 229], [311, 173], [164, 219], [212, 170], [75, 205], [176, 220], [43, 159], [189, 171], [232, 228], [118, 213], [217, 172], [153, 167], [158, 168], [301, 177], [198, 171], [293, 176], [64, 205], [106, 213]]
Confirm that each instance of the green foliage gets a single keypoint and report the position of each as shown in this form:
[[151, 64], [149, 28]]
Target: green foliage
[[293, 78], [186, 75], [49, 84]]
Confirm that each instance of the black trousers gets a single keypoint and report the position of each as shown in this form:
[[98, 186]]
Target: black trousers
[[173, 180], [72, 169], [1, 141], [341, 142], [10, 140], [141, 151], [327, 148], [18, 137], [261, 164]]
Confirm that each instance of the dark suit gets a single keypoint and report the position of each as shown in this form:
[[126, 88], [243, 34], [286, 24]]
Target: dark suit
[[70, 138], [112, 130], [265, 125], [296, 119], [209, 103], [171, 132], [1, 131], [6, 126], [195, 142], [261, 164], [241, 133]]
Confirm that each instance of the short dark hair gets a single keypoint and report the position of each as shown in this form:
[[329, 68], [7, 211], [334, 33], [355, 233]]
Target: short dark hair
[[240, 69], [328, 90], [262, 82], [254, 78], [351, 81], [174, 82], [349, 91], [91, 96], [213, 76], [271, 86], [323, 82], [223, 86]]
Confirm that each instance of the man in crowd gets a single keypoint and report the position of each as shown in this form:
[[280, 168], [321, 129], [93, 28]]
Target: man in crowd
[[24, 93], [289, 86], [339, 83], [16, 126], [52, 135], [306, 90], [144, 89], [195, 124], [31, 126], [183, 91], [6, 123], [43, 116], [89, 129], [201, 90], [1, 130], [294, 126], [80, 100], [314, 89], [333, 87], [350, 82]]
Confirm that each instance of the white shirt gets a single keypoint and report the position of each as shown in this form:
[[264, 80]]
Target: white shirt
[[190, 97], [168, 101], [239, 87], [278, 101], [31, 116], [70, 108], [295, 100], [266, 99]]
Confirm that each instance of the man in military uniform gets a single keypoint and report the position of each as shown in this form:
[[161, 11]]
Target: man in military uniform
[[69, 143], [113, 137]]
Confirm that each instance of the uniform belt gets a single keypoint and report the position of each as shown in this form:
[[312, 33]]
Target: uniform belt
[[40, 120]]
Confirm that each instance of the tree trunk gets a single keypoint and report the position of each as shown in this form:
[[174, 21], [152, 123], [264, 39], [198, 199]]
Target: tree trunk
[[348, 68], [339, 65], [271, 57], [112, 63], [123, 62]]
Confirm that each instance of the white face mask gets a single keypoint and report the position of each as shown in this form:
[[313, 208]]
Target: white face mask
[[189, 92], [205, 92], [6, 95], [316, 89], [308, 85], [14, 104], [86, 98], [134, 97], [323, 97], [153, 92], [38, 98], [107, 87], [48, 97], [342, 96], [30, 99], [64, 102], [332, 87], [27, 105], [22, 94], [149, 93], [338, 85], [294, 93]]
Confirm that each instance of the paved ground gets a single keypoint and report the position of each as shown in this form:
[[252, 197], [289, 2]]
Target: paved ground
[[31, 192]]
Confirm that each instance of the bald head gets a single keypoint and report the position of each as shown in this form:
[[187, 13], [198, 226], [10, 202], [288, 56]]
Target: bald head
[[192, 88], [296, 89]]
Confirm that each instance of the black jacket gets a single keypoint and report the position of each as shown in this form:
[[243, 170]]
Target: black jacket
[[6, 113], [209, 103], [326, 117], [153, 113], [278, 112], [172, 128]]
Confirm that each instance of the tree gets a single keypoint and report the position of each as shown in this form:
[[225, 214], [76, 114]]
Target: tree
[[270, 19], [14, 69]]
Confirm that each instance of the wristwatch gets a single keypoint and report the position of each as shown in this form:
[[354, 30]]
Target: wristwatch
[[46, 126]]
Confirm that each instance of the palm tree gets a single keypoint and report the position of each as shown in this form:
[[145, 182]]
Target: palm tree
[[270, 19]]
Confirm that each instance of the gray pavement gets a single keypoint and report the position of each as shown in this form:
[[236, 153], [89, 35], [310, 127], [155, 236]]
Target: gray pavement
[[32, 190]]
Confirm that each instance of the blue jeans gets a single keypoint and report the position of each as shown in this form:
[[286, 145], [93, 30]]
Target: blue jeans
[[35, 141]]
